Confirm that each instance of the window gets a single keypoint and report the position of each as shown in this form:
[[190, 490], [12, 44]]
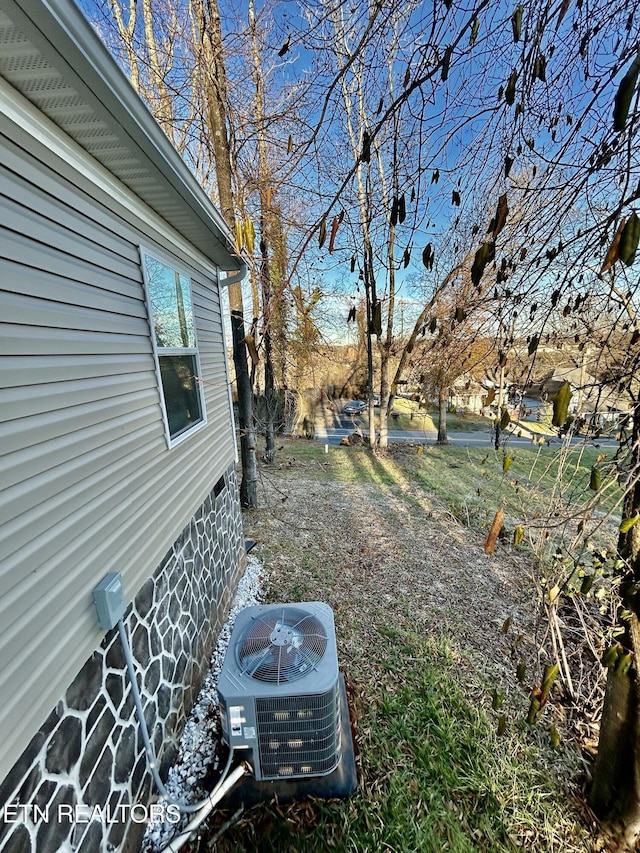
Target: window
[[171, 315]]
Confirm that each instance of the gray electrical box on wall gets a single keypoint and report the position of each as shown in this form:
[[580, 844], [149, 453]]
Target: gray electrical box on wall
[[108, 597]]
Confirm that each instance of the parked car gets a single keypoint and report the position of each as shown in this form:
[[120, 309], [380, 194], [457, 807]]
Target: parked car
[[354, 407]]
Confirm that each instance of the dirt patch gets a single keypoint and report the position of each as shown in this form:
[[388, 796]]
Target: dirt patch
[[387, 557]]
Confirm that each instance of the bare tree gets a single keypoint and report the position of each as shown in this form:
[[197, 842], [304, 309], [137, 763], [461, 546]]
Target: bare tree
[[192, 109], [211, 62]]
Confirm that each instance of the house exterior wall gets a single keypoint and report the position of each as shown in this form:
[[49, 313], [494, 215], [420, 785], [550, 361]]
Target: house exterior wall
[[88, 484], [88, 752]]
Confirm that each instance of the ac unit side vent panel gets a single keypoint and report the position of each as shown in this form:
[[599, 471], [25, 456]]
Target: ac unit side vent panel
[[299, 735]]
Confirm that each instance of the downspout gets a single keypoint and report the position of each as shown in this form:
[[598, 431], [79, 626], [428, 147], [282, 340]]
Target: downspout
[[227, 282]]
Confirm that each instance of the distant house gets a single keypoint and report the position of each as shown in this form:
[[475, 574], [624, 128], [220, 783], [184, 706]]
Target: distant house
[[467, 395], [116, 438], [591, 398], [549, 384]]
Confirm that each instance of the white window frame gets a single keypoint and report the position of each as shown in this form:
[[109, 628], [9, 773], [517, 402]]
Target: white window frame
[[159, 351]]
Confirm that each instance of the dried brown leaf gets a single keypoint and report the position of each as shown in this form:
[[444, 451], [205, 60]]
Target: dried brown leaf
[[494, 532]]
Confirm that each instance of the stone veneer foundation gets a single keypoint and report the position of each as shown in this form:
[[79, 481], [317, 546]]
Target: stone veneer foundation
[[89, 752]]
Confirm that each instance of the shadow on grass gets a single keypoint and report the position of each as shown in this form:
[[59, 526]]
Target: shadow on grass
[[435, 775]]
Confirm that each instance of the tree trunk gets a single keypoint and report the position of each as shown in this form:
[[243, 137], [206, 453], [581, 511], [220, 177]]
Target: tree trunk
[[370, 296], [384, 401], [265, 273], [387, 345], [249, 482], [372, 326], [629, 542], [269, 385], [615, 793], [216, 93], [443, 399]]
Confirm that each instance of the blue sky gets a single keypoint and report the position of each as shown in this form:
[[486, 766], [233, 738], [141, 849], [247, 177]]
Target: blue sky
[[455, 124]]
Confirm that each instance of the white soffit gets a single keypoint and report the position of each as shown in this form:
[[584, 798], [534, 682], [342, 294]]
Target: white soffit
[[52, 56]]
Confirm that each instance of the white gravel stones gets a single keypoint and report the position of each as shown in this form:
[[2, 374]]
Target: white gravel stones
[[197, 753]]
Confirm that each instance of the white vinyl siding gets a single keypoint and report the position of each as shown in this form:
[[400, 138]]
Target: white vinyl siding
[[87, 483]]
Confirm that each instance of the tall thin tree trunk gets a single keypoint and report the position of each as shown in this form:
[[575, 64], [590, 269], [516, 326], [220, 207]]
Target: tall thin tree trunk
[[265, 273], [364, 203], [370, 298], [443, 399], [211, 33], [249, 482], [269, 383], [387, 345]]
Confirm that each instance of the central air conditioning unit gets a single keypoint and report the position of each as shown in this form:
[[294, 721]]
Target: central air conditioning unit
[[279, 690]]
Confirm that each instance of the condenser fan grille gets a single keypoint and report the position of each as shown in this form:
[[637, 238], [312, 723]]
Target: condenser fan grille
[[282, 645]]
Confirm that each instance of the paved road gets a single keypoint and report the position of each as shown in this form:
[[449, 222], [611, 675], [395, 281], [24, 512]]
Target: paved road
[[346, 425]]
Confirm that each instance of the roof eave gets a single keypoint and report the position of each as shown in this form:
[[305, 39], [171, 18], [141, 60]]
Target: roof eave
[[70, 44]]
